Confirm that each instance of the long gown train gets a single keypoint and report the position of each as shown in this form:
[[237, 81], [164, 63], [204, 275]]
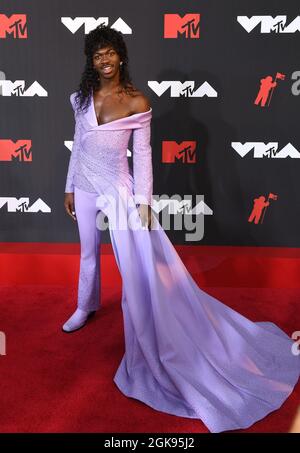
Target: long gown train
[[188, 354]]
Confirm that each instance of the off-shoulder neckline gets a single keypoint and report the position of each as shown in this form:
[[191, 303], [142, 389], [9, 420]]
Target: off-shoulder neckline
[[118, 119]]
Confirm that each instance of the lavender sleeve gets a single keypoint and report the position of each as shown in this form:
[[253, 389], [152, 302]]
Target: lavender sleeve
[[75, 150], [142, 164]]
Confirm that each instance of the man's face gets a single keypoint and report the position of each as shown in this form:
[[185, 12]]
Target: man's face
[[106, 61]]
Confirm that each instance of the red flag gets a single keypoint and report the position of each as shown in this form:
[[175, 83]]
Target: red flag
[[272, 196], [280, 76]]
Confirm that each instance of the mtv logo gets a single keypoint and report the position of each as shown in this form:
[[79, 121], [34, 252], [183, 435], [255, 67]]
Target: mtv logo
[[17, 88], [184, 152], [188, 25], [22, 205], [90, 23], [269, 24], [15, 25], [182, 89], [19, 151]]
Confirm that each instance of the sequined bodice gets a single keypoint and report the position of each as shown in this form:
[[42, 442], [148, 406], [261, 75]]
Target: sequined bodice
[[102, 150]]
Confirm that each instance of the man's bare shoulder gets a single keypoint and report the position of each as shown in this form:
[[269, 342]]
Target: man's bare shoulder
[[140, 103]]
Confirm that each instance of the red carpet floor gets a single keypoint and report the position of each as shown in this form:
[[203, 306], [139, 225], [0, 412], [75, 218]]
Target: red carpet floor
[[54, 382]]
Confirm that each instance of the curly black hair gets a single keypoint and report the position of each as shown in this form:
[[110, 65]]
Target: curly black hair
[[99, 37]]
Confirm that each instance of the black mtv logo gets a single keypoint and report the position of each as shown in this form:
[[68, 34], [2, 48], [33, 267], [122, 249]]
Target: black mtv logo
[[22, 154]]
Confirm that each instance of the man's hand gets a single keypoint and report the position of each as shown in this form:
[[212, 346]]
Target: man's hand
[[145, 215], [69, 205]]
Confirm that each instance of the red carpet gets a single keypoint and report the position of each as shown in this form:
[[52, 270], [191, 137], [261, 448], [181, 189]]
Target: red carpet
[[54, 382]]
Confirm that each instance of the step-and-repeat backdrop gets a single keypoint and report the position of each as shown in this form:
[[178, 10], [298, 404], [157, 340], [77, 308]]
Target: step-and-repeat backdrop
[[223, 78]]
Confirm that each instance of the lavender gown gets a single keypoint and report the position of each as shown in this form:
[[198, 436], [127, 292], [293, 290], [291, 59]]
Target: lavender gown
[[187, 354]]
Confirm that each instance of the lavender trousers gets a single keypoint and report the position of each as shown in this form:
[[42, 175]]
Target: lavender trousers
[[90, 239]]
